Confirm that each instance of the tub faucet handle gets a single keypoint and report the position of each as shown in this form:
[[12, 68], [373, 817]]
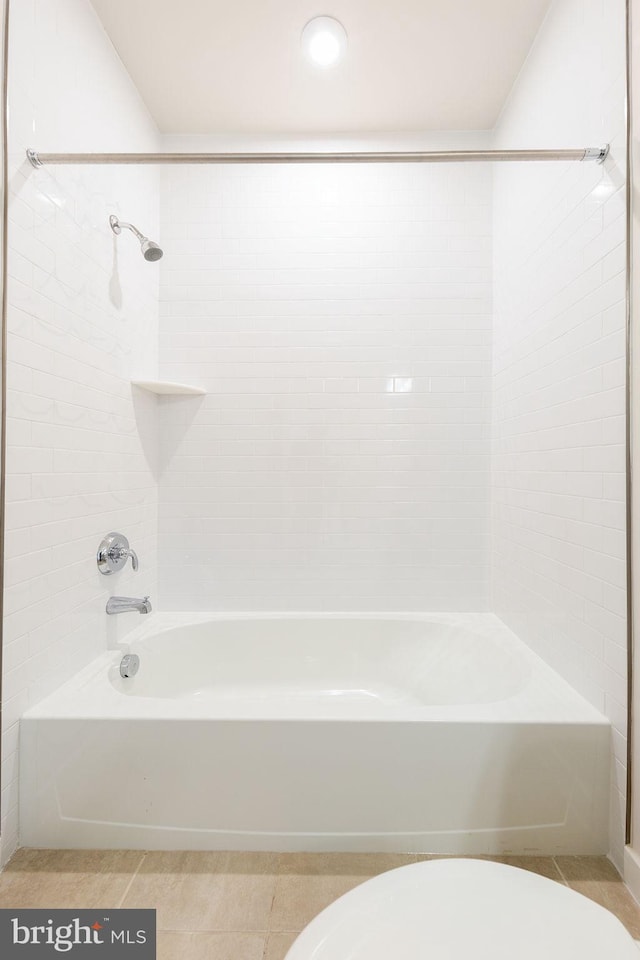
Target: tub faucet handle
[[113, 553]]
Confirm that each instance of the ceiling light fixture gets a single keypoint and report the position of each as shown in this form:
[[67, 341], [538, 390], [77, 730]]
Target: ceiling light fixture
[[324, 41]]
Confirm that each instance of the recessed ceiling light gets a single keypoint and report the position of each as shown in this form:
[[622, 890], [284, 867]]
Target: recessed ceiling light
[[324, 41]]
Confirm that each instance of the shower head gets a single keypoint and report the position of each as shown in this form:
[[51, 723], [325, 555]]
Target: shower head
[[150, 250]]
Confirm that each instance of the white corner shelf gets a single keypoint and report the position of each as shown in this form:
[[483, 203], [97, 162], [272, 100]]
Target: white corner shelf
[[168, 388]]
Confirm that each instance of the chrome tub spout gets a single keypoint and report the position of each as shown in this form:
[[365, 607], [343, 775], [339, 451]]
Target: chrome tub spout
[[124, 604]]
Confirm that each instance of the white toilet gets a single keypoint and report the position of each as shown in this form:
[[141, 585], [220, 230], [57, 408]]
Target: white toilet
[[463, 910]]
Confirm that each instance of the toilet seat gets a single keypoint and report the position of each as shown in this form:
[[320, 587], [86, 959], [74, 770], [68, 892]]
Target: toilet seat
[[461, 909]]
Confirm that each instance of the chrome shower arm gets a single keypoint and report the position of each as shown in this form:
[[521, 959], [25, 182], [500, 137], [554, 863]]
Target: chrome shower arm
[[119, 225], [130, 226]]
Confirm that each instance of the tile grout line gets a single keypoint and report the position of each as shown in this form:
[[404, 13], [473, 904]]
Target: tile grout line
[[266, 939], [559, 869], [133, 876], [273, 900]]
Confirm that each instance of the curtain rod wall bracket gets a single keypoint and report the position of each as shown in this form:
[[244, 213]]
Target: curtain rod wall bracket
[[33, 158], [599, 154]]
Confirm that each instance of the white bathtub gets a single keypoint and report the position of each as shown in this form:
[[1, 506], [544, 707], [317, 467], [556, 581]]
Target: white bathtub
[[407, 733]]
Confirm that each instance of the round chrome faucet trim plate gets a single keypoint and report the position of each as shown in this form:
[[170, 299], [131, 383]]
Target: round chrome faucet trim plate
[[113, 553]]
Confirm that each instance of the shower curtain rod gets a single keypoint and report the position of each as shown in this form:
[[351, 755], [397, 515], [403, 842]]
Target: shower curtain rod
[[599, 154]]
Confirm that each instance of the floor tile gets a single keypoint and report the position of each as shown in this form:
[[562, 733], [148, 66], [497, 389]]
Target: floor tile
[[598, 879], [544, 866], [80, 879], [615, 897], [278, 945], [587, 868], [298, 899], [195, 891], [210, 946], [343, 864], [247, 906], [310, 882]]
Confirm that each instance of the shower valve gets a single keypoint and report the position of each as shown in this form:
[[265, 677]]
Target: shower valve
[[113, 553]]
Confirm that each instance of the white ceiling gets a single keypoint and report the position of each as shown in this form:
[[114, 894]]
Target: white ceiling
[[207, 66]]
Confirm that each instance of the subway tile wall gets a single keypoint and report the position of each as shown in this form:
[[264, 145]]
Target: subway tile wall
[[339, 319], [82, 320], [559, 576]]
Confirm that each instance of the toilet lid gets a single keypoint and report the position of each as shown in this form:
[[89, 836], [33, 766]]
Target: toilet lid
[[462, 909]]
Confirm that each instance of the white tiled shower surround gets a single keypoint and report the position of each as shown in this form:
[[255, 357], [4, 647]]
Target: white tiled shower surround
[[82, 320], [558, 485], [341, 322], [339, 318]]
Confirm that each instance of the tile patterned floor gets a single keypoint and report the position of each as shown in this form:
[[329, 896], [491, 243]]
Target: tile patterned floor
[[246, 906]]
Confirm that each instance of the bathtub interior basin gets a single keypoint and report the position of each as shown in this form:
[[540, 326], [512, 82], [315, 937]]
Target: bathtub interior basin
[[372, 661]]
